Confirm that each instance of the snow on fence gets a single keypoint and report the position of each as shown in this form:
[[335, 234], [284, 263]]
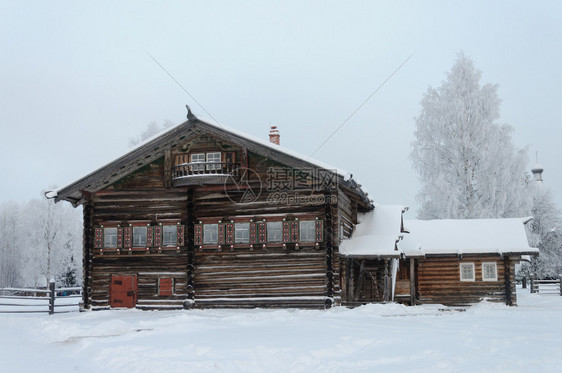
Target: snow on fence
[[51, 300], [546, 286]]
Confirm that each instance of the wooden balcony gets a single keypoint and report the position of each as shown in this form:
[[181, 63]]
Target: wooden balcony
[[199, 173]]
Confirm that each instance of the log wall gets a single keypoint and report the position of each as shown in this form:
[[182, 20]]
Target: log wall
[[275, 276], [438, 281]]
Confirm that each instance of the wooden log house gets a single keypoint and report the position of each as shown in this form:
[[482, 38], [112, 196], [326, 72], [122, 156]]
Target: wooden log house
[[205, 216], [450, 262]]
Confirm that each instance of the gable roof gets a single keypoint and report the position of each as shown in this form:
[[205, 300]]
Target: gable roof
[[467, 236], [154, 148]]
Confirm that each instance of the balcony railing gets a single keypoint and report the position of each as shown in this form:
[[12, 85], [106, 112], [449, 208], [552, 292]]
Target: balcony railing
[[204, 172]]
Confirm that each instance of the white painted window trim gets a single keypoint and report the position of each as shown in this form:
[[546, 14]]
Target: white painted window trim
[[213, 157], [174, 242], [471, 265], [307, 235], [242, 235], [106, 235], [495, 278], [278, 229], [210, 234]]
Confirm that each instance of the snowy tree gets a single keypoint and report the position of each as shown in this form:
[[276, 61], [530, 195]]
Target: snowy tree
[[465, 160], [546, 234], [54, 231], [11, 256], [39, 240], [152, 129]]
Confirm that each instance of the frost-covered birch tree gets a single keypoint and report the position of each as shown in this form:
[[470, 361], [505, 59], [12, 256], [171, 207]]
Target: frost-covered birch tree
[[546, 234], [39, 240], [465, 160]]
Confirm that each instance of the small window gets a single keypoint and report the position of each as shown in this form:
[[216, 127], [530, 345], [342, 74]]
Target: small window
[[213, 157], [307, 231], [139, 236], [242, 232], [197, 158], [467, 272], [165, 286], [169, 235], [274, 231], [210, 234], [110, 237], [489, 271]]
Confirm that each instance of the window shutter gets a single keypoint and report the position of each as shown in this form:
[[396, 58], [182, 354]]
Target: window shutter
[[295, 231], [158, 236], [229, 234], [319, 231], [165, 286], [286, 231], [119, 237], [221, 234], [253, 233], [128, 237], [98, 238], [198, 239], [261, 232], [181, 235], [149, 236]]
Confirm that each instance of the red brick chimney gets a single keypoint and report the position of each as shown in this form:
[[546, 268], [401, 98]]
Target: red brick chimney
[[274, 135]]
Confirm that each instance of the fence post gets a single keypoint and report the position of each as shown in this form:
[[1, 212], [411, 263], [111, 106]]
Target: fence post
[[524, 282], [532, 278], [560, 283], [52, 297]]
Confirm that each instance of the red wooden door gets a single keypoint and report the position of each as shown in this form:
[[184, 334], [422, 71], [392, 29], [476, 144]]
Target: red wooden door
[[123, 291]]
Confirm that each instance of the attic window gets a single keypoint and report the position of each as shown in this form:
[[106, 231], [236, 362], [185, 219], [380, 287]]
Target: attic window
[[197, 158], [214, 157]]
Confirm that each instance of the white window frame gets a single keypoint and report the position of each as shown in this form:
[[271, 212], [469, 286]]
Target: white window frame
[[113, 243], [213, 157], [210, 234], [197, 158], [271, 229], [242, 232], [495, 265], [174, 228], [145, 236], [461, 271], [310, 235]]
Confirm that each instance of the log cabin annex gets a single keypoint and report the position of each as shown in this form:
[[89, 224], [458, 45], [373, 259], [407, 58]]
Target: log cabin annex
[[205, 216]]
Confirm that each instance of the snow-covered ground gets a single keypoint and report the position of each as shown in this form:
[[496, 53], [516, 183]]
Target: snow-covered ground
[[373, 338]]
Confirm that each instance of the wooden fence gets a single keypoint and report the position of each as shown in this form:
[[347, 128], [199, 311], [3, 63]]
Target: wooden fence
[[546, 286], [51, 300]]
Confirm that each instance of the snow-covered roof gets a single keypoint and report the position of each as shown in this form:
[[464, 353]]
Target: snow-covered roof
[[468, 236], [276, 147], [154, 147], [376, 234]]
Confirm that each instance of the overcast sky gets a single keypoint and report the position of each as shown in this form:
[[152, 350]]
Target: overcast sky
[[77, 82]]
